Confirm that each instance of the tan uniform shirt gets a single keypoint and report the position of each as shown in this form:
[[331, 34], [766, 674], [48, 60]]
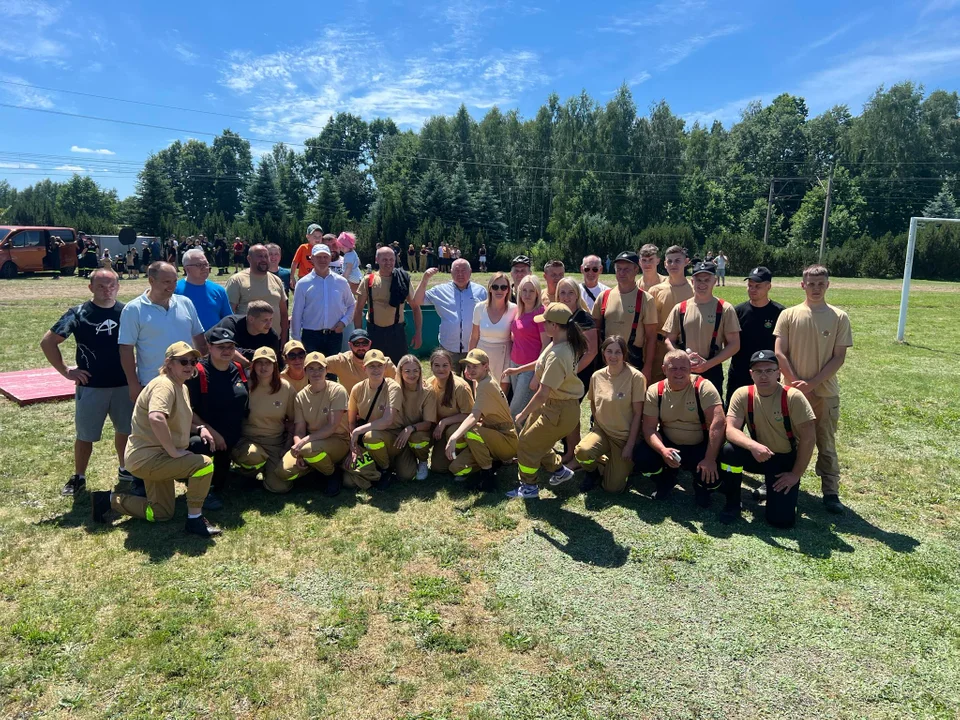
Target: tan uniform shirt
[[812, 337], [419, 405], [613, 399], [621, 309], [493, 406], [556, 368], [644, 285], [462, 398], [384, 314], [349, 375], [314, 408], [297, 385], [698, 322], [268, 411], [361, 398], [679, 421], [768, 418], [243, 288], [545, 297], [667, 295], [161, 395]]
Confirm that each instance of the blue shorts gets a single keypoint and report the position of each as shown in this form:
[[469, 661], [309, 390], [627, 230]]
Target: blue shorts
[[94, 404]]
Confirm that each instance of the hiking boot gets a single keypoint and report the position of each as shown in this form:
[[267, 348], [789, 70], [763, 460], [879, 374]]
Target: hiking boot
[[730, 515], [832, 504], [334, 484], [202, 527], [125, 475], [75, 485], [561, 476], [487, 481], [663, 492], [386, 479], [212, 502], [99, 505], [760, 493]]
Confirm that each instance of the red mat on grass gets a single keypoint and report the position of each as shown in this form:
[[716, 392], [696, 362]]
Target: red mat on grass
[[26, 387]]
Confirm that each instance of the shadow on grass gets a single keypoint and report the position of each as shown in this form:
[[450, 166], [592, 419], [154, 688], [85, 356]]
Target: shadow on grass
[[587, 540], [932, 349]]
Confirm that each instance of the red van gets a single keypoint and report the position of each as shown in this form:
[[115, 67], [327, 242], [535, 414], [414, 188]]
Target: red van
[[23, 248]]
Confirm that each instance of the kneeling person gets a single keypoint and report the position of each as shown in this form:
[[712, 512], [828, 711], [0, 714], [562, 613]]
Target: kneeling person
[[781, 440], [321, 438], [374, 413], [683, 428], [419, 412], [157, 450], [488, 430]]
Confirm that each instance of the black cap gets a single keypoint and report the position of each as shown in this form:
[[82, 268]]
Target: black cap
[[704, 267], [521, 260], [764, 356], [760, 274], [629, 256], [358, 334], [220, 336]]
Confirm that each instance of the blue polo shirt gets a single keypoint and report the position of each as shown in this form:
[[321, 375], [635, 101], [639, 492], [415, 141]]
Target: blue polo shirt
[[152, 328], [209, 299], [455, 309]]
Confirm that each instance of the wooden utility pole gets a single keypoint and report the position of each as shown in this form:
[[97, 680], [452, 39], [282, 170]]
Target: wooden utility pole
[[766, 227], [826, 216]]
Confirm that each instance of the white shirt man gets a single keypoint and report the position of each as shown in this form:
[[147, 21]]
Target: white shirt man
[[323, 305], [591, 287]]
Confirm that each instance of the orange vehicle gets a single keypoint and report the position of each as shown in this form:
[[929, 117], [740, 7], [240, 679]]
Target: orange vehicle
[[24, 248]]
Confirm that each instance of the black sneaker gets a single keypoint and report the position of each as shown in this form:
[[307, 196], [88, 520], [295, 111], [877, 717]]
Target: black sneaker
[[125, 476], [760, 493], [137, 488], [386, 479], [202, 527], [832, 504], [75, 485], [701, 497], [334, 484], [99, 505], [589, 482], [487, 481], [663, 492], [730, 515], [212, 502]]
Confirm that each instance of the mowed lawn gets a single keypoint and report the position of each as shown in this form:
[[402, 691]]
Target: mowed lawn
[[428, 601]]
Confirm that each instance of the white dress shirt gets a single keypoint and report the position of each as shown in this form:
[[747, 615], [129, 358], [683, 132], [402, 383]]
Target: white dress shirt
[[319, 303]]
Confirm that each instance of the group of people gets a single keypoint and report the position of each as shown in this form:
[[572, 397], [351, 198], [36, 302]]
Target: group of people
[[218, 386]]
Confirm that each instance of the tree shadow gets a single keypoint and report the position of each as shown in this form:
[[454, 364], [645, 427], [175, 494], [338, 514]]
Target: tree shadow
[[587, 542]]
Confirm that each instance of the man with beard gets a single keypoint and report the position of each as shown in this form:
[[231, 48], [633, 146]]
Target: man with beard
[[258, 283], [348, 366]]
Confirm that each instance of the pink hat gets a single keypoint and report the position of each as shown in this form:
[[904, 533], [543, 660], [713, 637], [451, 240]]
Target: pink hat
[[347, 240]]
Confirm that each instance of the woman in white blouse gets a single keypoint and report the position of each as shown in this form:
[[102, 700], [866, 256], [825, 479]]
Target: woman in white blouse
[[491, 323]]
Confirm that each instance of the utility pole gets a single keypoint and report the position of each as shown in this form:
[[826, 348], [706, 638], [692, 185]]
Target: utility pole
[[766, 227], [826, 216]]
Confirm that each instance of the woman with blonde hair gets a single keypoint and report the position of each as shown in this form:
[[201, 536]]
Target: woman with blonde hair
[[491, 323], [419, 412], [528, 340], [568, 292], [454, 398]]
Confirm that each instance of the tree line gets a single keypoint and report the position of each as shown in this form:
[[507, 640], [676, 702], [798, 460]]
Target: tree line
[[577, 177]]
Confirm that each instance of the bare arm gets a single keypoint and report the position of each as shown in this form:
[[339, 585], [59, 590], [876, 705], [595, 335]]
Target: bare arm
[[591, 353], [284, 320], [474, 337], [649, 350], [50, 344], [806, 439], [421, 294], [129, 364], [327, 430], [538, 400], [200, 343], [782, 349], [830, 369]]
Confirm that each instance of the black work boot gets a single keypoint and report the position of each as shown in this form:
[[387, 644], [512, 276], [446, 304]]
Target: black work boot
[[202, 527]]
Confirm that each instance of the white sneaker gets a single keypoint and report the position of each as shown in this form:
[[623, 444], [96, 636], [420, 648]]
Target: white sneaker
[[561, 475], [422, 471]]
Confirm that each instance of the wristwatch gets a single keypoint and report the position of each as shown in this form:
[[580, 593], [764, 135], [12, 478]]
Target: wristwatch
[[199, 428]]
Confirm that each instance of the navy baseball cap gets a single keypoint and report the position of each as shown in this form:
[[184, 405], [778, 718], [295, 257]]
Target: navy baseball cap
[[764, 356], [220, 336], [629, 256], [704, 267], [760, 274], [358, 334]]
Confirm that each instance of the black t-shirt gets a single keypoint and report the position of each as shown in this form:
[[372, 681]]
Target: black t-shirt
[[584, 319], [247, 343], [756, 333], [225, 403], [96, 331]]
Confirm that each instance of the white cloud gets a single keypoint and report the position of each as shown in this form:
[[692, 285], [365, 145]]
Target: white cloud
[[18, 166], [638, 79], [37, 11], [184, 53], [663, 13], [25, 33], [70, 168], [22, 94], [939, 6], [98, 151], [680, 51]]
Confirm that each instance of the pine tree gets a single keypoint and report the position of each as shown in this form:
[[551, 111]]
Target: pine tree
[[328, 211], [263, 199], [460, 207], [942, 206], [155, 201]]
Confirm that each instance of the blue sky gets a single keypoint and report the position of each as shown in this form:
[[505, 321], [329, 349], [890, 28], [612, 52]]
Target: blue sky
[[283, 68]]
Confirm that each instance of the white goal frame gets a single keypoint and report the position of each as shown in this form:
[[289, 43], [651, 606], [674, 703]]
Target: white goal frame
[[908, 269]]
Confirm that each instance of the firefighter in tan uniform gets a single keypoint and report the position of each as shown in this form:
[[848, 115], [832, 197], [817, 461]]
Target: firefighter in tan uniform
[[706, 328], [157, 450], [419, 412], [683, 427], [263, 439], [629, 312], [348, 365], [454, 398], [554, 410], [616, 395], [812, 342], [666, 295], [780, 443], [375, 414], [649, 261], [488, 430], [321, 438], [293, 355]]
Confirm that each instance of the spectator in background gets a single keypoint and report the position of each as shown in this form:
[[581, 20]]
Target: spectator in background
[[423, 258], [351, 261], [608, 263], [274, 255], [133, 263], [553, 272], [411, 258], [336, 260], [258, 283], [220, 253], [721, 263], [454, 302], [302, 265], [237, 255], [152, 322], [591, 287], [482, 257], [146, 256], [209, 299]]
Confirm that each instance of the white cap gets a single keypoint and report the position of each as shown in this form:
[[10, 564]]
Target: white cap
[[321, 248]]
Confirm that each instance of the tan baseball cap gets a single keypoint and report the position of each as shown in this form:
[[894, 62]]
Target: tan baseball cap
[[181, 349], [265, 353], [374, 356], [293, 345], [315, 357], [476, 357], [556, 313]]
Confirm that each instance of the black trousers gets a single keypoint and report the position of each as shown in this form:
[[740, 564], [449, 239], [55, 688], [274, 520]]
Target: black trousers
[[390, 340], [649, 463], [781, 507], [736, 380], [221, 461], [328, 343], [715, 375]]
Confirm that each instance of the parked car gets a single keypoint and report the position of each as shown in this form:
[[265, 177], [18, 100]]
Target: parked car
[[24, 249]]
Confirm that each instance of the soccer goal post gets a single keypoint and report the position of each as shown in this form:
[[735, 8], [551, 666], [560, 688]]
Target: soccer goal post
[[908, 268]]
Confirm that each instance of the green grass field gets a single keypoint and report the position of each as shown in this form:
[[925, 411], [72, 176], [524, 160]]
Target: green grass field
[[431, 602]]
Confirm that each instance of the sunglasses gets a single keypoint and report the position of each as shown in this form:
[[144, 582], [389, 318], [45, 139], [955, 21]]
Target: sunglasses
[[591, 270], [187, 361], [296, 355], [360, 343], [499, 287]]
